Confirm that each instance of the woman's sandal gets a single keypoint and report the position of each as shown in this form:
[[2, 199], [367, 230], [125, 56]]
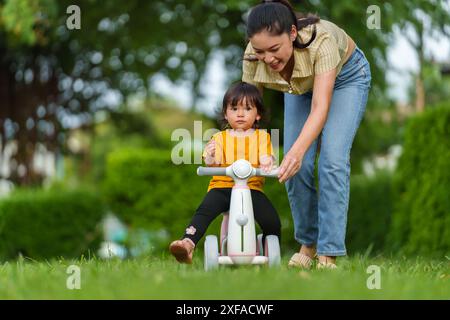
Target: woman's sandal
[[301, 260], [326, 265], [182, 250]]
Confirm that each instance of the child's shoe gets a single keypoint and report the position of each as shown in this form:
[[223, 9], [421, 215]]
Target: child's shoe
[[182, 250]]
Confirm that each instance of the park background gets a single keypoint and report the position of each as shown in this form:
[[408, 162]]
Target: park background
[[86, 123]]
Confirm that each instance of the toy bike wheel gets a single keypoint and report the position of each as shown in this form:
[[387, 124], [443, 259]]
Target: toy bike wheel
[[259, 242], [273, 250], [211, 253]]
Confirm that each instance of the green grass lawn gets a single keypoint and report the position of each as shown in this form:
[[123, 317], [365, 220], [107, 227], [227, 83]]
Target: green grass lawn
[[163, 278]]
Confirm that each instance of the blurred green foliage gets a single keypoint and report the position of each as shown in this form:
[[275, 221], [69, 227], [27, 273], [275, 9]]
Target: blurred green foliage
[[26, 22], [379, 130], [61, 79], [369, 212], [121, 129], [149, 126], [42, 224], [421, 220], [146, 190]]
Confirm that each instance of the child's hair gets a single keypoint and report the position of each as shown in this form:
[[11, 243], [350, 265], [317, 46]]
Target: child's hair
[[277, 17], [235, 94]]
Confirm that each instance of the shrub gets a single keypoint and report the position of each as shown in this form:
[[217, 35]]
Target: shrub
[[44, 224], [146, 190], [277, 194], [421, 221], [369, 213]]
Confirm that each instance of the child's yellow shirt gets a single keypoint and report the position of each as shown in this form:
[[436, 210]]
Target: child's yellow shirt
[[230, 148]]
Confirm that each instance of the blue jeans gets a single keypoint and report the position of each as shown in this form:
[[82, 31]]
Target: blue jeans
[[320, 218]]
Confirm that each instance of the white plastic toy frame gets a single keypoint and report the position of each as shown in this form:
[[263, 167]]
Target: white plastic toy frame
[[238, 241]]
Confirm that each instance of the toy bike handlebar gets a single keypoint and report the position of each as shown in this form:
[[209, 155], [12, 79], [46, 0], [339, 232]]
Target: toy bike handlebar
[[271, 174], [212, 171], [222, 171]]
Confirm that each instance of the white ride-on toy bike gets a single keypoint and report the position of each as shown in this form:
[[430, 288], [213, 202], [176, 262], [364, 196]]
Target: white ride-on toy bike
[[238, 241]]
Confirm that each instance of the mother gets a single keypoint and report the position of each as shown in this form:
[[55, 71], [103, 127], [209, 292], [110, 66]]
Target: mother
[[325, 78]]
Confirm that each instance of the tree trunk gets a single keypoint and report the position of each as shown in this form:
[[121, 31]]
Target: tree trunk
[[420, 95], [420, 91]]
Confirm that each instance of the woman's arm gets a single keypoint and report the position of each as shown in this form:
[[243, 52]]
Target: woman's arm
[[321, 99]]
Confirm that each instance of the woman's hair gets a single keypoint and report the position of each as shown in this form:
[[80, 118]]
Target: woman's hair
[[236, 94], [277, 17]]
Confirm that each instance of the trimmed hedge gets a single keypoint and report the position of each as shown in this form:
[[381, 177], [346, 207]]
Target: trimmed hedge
[[146, 190], [45, 224], [369, 213], [277, 194], [421, 222]]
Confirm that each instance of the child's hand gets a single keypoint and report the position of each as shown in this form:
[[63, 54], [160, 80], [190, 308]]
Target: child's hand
[[211, 148], [266, 163]]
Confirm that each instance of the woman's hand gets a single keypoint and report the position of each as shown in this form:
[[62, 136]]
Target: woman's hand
[[290, 165]]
